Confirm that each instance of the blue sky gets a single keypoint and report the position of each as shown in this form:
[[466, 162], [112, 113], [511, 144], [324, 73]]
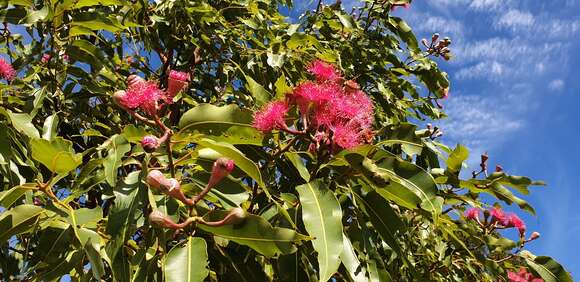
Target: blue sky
[[514, 94]]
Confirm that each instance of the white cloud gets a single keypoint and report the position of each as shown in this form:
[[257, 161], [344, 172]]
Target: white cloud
[[490, 70], [515, 19], [488, 4], [479, 122], [556, 85]]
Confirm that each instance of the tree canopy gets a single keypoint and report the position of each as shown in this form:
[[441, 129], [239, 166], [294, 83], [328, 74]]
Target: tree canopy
[[215, 140]]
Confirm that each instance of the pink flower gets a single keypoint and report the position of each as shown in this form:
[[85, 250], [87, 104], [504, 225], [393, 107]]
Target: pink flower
[[150, 143], [472, 213], [271, 116], [45, 58], [497, 215], [310, 93], [522, 276], [514, 221], [345, 136], [65, 57], [324, 71], [177, 81], [141, 94], [6, 70]]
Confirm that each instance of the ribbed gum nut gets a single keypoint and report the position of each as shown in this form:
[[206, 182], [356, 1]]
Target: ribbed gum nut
[[133, 80], [156, 179], [118, 97], [535, 235], [150, 143]]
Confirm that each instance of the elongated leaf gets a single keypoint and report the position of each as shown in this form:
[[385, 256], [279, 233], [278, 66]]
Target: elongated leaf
[[350, 260], [298, 163], [18, 220], [23, 123], [456, 159], [50, 127], [188, 262], [256, 233], [548, 268], [9, 197], [223, 124], [57, 154], [117, 147], [322, 217], [242, 162]]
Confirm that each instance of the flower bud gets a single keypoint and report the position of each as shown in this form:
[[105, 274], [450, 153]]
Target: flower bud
[[221, 168], [155, 179], [235, 216], [177, 82], [498, 168], [160, 219], [119, 98], [133, 80], [45, 58], [484, 157], [535, 235], [425, 43], [150, 143], [434, 37]]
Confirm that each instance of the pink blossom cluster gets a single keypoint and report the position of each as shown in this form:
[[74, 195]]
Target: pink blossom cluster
[[329, 106], [6, 70], [405, 5], [145, 95], [500, 218], [522, 276]]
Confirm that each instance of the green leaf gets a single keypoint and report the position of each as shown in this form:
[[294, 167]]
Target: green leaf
[[134, 134], [242, 162], [350, 260], [281, 87], [223, 124], [57, 154], [260, 94], [345, 19], [187, 262], [117, 147], [9, 197], [322, 217], [50, 127], [17, 220], [298, 163], [548, 268], [456, 159], [256, 233], [383, 218], [23, 123]]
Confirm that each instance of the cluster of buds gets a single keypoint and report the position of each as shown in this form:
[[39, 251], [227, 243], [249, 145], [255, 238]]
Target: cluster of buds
[[522, 276], [438, 47], [430, 132], [496, 218], [171, 187], [483, 166], [233, 217]]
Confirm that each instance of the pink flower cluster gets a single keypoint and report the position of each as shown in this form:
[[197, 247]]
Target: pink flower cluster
[[145, 95], [522, 276], [6, 70], [329, 106], [500, 218], [395, 6]]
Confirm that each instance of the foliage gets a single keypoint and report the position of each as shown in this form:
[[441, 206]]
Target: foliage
[[78, 191]]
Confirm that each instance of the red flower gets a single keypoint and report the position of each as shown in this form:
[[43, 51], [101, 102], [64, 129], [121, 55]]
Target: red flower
[[497, 215], [346, 136], [6, 70], [514, 221], [472, 213], [140, 94], [45, 58], [324, 71], [271, 116], [177, 81], [522, 276]]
